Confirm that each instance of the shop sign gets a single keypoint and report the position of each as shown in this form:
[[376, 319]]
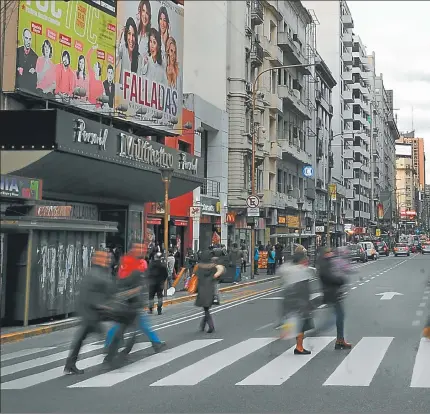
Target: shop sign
[[141, 149], [230, 218], [210, 205], [180, 223], [83, 136], [154, 221], [282, 220], [186, 164], [20, 187], [293, 221], [84, 212], [319, 229], [53, 211]]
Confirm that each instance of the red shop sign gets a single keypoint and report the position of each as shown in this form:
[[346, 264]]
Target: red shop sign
[[156, 221], [181, 223]]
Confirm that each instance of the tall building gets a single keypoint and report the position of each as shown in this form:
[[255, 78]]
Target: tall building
[[418, 154], [406, 178]]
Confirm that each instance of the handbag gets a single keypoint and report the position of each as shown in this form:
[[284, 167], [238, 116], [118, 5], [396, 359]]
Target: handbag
[[192, 284], [290, 327]]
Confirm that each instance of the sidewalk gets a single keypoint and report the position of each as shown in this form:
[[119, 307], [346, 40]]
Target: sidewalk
[[18, 333]]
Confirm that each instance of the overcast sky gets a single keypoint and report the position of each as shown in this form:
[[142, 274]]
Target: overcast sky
[[399, 34]]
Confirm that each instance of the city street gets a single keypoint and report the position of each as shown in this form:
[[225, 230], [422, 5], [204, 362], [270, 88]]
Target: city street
[[242, 366]]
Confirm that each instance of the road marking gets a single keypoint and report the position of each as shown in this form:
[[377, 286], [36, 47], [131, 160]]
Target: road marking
[[109, 379], [212, 364], [23, 353], [425, 297], [421, 373], [360, 365], [283, 367], [361, 284], [367, 281], [22, 366], [264, 326], [324, 305], [419, 312], [373, 277], [416, 323], [355, 287], [422, 305], [58, 372]]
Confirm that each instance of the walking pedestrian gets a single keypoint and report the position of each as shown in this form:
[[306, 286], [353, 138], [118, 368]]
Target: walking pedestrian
[[426, 330], [333, 284], [271, 261], [157, 275], [170, 268], [96, 290], [245, 257], [207, 273]]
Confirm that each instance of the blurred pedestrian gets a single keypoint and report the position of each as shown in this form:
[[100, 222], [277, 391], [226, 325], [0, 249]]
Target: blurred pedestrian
[[207, 273], [271, 261], [333, 283], [157, 275], [96, 290], [426, 330]]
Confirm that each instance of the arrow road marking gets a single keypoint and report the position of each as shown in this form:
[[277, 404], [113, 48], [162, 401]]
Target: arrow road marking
[[388, 295]]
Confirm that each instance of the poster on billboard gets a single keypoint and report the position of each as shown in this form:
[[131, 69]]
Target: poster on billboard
[[149, 66], [66, 52]]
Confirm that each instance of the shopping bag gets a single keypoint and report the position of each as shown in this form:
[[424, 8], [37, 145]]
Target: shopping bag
[[290, 327], [192, 285], [171, 291]]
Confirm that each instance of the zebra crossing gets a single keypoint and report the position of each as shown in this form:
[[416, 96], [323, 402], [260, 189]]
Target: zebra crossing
[[357, 368]]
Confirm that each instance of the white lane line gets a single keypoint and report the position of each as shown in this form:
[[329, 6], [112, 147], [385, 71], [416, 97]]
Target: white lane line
[[373, 277], [22, 366], [422, 305], [24, 352], [420, 373], [425, 297], [360, 365], [361, 284], [205, 368], [283, 367], [58, 372], [112, 378], [367, 281], [268, 325], [324, 305], [419, 313], [416, 323], [355, 287]]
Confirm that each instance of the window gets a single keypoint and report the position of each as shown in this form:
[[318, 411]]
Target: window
[[184, 146]]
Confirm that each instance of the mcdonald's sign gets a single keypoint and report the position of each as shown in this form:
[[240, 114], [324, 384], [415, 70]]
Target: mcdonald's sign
[[230, 218]]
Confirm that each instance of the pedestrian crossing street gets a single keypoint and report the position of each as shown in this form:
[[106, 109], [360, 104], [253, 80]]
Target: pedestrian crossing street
[[33, 367]]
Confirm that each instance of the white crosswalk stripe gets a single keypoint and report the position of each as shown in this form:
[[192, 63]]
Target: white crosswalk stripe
[[357, 368]]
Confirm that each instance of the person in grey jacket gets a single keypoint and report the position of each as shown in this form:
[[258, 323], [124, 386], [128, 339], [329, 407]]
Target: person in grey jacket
[[207, 274]]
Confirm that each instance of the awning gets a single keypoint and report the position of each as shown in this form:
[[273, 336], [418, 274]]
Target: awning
[[66, 173], [292, 236]]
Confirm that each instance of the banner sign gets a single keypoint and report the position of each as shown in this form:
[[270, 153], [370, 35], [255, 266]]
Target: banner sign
[[20, 187], [66, 52], [332, 191], [149, 62]]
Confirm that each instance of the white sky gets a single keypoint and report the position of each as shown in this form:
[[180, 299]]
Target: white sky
[[399, 34]]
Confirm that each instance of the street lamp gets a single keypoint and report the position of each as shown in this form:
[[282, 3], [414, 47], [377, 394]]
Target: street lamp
[[166, 177], [300, 206], [254, 100]]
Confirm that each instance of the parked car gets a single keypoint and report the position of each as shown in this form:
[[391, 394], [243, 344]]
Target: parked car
[[401, 248], [425, 248], [382, 248], [357, 253], [370, 250]]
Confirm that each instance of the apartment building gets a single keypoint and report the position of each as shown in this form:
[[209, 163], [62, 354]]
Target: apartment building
[[406, 178], [418, 155]]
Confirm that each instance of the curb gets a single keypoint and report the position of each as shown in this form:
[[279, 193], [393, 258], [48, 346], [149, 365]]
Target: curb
[[28, 333]]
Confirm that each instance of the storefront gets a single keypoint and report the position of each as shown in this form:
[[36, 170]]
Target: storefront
[[210, 222], [104, 173]]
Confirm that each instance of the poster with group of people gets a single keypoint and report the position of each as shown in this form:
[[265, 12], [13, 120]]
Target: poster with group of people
[[124, 59], [66, 52]]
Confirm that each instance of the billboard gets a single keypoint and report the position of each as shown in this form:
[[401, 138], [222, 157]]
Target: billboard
[[149, 66], [66, 52], [404, 150]]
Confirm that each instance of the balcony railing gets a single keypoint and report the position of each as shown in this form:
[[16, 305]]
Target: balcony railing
[[210, 188], [257, 54], [257, 15]]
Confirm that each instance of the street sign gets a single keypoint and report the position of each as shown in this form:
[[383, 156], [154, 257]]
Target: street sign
[[253, 212], [308, 171], [253, 201], [388, 295], [195, 212]]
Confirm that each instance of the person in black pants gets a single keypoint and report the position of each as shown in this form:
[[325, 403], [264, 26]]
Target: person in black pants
[[157, 274], [96, 290]]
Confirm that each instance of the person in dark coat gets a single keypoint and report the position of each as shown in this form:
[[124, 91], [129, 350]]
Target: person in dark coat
[[96, 290], [157, 275], [26, 59], [333, 285], [207, 274]]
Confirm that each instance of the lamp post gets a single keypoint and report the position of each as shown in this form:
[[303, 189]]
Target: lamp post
[[166, 177], [300, 206], [254, 100]]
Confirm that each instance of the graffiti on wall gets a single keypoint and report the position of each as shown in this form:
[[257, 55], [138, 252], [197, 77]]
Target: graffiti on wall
[[60, 267]]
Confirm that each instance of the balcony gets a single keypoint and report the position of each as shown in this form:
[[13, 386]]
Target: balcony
[[348, 154], [257, 55], [210, 188], [348, 173], [275, 104], [293, 102], [358, 165], [274, 199], [257, 15], [347, 58], [350, 194], [347, 96], [348, 115], [347, 77], [347, 39], [362, 214], [275, 151], [272, 52], [288, 46], [295, 152], [347, 21]]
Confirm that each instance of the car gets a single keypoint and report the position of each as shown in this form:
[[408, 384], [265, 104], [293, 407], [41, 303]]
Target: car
[[425, 248], [382, 248], [370, 250], [357, 253], [401, 249]]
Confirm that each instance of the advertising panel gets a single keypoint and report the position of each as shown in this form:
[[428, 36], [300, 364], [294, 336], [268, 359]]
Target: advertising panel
[[404, 150], [66, 52], [149, 69]]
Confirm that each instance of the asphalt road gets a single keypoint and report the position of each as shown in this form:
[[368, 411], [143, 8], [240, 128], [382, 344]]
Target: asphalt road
[[242, 366]]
